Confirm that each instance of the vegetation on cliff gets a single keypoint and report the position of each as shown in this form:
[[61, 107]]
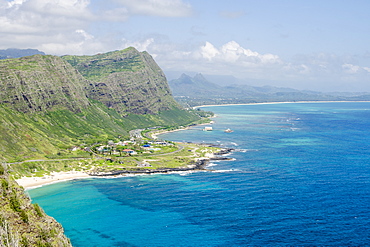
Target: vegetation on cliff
[[40, 83], [48, 106], [127, 81], [23, 223]]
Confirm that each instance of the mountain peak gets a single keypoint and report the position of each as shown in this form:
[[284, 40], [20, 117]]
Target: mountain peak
[[200, 77], [184, 76]]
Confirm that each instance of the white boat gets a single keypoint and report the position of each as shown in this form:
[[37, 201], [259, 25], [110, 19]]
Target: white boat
[[228, 130]]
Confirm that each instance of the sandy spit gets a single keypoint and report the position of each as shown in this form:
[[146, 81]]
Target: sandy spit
[[54, 177]]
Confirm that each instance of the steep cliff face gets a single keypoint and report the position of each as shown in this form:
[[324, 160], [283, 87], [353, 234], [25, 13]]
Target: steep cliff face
[[47, 103], [23, 223], [40, 83], [128, 81]]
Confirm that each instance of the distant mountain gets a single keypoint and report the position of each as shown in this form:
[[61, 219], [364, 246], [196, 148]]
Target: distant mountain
[[197, 86], [197, 90], [16, 53]]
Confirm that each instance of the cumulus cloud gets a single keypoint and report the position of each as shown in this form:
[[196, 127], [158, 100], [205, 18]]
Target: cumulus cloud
[[228, 59], [208, 51], [232, 52], [55, 26], [164, 8], [316, 72], [59, 26], [41, 18]]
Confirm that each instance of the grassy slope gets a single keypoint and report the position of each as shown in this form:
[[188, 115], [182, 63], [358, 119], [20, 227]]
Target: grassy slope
[[35, 136], [97, 67]]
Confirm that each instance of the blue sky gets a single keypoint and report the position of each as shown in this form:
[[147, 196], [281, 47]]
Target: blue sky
[[314, 45]]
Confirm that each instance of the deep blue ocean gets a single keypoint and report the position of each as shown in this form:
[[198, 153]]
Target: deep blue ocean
[[301, 177]]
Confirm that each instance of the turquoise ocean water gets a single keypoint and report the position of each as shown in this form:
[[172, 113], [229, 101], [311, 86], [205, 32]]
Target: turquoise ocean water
[[301, 177]]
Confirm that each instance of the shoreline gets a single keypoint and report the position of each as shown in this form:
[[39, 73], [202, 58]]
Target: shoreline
[[29, 183], [285, 102], [155, 135], [55, 177]]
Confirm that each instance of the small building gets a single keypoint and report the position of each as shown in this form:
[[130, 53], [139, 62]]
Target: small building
[[129, 151]]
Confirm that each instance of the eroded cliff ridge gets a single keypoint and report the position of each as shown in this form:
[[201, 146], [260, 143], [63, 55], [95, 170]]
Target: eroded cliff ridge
[[127, 81], [40, 83]]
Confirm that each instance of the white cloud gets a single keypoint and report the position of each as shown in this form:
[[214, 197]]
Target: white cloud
[[50, 25], [55, 26], [367, 69], [43, 17], [164, 8], [232, 52], [208, 51], [140, 46], [350, 68], [315, 72], [228, 59], [85, 34]]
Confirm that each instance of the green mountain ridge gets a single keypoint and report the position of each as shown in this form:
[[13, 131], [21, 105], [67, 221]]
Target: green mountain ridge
[[128, 81], [47, 105]]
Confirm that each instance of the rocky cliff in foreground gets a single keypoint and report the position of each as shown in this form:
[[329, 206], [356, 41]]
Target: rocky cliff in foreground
[[23, 223]]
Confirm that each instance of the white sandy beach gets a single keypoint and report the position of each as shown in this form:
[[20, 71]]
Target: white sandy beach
[[55, 177], [155, 135]]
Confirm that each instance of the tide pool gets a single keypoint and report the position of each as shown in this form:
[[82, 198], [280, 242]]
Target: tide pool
[[301, 176]]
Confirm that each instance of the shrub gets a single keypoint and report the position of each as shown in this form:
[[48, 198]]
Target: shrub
[[4, 184], [38, 210], [14, 203], [24, 216]]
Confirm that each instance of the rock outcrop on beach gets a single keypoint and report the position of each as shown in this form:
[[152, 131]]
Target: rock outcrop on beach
[[23, 223]]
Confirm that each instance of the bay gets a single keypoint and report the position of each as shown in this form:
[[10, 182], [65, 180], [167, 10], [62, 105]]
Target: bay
[[301, 177]]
